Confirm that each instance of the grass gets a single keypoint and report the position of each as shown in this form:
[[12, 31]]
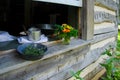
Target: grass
[[118, 42], [118, 35]]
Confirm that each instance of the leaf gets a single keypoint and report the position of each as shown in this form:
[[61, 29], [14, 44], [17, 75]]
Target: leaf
[[77, 75]]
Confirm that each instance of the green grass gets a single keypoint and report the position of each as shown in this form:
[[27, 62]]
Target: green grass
[[118, 35], [118, 42]]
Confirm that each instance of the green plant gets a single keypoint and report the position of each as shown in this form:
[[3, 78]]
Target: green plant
[[118, 45], [77, 75], [118, 42], [66, 31], [32, 50], [112, 71]]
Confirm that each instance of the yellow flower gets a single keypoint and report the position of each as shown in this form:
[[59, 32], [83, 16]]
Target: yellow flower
[[66, 31], [68, 27]]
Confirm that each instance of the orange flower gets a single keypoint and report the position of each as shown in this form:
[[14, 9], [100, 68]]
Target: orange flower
[[65, 30]]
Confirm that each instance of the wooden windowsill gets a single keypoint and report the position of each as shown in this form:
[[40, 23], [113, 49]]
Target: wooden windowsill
[[11, 61]]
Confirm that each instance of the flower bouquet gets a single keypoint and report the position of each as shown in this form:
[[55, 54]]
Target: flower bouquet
[[65, 32]]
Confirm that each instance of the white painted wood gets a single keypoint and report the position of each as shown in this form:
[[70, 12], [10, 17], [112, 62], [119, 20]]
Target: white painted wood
[[77, 3]]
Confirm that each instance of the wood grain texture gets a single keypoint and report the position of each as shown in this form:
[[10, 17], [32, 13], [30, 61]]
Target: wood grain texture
[[87, 19], [56, 59], [101, 37], [109, 4], [104, 30], [100, 17], [102, 43], [103, 9]]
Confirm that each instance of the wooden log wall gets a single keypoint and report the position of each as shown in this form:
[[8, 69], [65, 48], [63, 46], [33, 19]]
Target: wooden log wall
[[109, 4], [105, 24], [105, 33], [105, 16], [59, 60]]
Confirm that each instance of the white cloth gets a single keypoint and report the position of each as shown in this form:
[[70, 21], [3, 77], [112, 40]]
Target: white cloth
[[5, 36], [24, 39]]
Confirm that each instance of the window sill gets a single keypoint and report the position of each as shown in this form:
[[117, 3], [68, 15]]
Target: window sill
[[10, 61]]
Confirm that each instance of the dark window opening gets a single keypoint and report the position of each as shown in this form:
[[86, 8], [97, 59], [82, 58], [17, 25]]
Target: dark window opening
[[12, 16], [47, 13]]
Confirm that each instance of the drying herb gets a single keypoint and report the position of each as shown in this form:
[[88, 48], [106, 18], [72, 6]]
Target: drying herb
[[32, 50]]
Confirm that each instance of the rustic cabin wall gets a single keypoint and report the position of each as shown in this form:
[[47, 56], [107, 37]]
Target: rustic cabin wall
[[80, 54], [105, 33], [105, 21]]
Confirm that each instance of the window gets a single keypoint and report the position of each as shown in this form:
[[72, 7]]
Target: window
[[16, 13]]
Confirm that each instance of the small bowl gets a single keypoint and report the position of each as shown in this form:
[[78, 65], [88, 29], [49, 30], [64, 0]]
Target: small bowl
[[22, 47]]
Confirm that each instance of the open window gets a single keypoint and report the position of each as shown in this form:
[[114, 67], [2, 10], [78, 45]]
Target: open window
[[16, 13], [52, 13]]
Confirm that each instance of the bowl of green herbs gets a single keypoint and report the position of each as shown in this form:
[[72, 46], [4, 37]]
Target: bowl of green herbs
[[30, 51]]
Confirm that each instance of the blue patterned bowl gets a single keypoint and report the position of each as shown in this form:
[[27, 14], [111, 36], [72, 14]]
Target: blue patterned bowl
[[21, 51]]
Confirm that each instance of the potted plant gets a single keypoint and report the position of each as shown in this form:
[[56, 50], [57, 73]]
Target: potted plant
[[65, 32]]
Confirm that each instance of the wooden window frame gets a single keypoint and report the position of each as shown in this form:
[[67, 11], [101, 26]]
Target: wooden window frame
[[85, 20], [77, 3]]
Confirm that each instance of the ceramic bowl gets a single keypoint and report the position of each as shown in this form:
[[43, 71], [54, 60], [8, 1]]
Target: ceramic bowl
[[21, 51]]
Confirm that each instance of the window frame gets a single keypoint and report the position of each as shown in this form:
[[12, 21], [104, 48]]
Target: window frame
[[85, 20], [77, 3]]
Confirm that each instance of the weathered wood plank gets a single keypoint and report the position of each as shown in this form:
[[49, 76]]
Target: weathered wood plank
[[109, 4], [79, 22], [94, 54], [89, 58], [102, 43], [100, 17], [77, 3], [104, 30], [101, 37], [72, 57], [48, 65], [24, 73], [99, 74], [91, 69], [87, 19], [67, 60], [104, 25]]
